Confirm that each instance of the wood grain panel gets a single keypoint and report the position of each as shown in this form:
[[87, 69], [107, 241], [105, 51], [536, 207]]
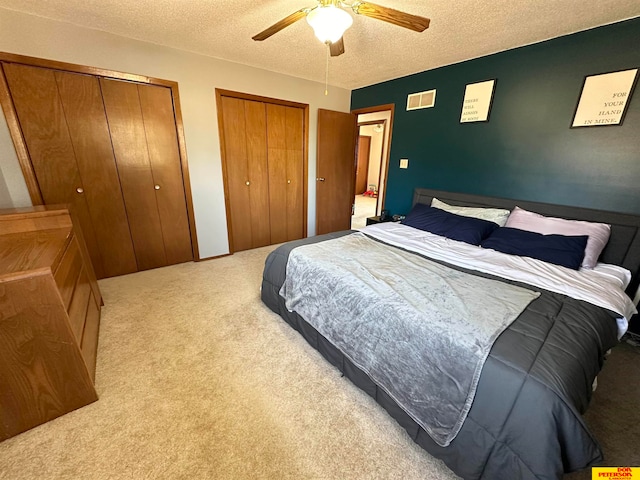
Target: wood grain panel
[[35, 95], [20, 143], [46, 233], [40, 363], [15, 220], [78, 307], [336, 164], [258, 170], [34, 92], [84, 111], [18, 140], [235, 157], [295, 172], [162, 142], [124, 116], [84, 254], [286, 135], [277, 152], [89, 344], [21, 251], [295, 199], [184, 164], [67, 273]]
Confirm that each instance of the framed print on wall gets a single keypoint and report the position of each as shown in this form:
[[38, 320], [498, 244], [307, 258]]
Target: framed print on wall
[[604, 98], [476, 105]]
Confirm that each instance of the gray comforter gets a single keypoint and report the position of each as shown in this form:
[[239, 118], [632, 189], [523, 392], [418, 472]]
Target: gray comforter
[[525, 421], [419, 329]]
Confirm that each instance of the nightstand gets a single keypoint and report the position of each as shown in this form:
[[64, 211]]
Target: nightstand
[[376, 219]]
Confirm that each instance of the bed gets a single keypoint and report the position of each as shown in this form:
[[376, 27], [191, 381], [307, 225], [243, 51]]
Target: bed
[[527, 370]]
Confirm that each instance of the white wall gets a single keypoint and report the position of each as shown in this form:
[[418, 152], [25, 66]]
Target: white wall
[[197, 77]]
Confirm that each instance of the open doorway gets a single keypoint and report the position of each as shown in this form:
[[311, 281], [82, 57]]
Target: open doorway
[[372, 159]]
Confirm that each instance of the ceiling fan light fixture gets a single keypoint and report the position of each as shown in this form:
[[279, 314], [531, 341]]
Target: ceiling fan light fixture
[[329, 23]]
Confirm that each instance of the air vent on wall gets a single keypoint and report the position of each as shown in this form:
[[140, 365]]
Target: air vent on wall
[[419, 100]]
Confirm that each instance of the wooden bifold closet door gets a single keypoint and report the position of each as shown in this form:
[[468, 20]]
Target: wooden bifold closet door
[[146, 150], [110, 149], [263, 152]]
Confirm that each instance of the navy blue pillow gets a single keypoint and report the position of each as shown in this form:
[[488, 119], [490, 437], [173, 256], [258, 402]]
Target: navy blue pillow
[[456, 227], [567, 251]]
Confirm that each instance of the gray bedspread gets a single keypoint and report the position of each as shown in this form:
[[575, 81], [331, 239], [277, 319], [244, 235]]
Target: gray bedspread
[[525, 421], [421, 330]]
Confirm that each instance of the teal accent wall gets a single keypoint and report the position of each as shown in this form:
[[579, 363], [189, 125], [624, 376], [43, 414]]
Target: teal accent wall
[[527, 150]]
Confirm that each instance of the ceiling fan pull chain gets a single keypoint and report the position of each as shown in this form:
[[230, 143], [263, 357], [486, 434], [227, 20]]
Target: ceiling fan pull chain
[[326, 73]]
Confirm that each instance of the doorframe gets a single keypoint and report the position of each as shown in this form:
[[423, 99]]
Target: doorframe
[[223, 156], [21, 146], [384, 161]]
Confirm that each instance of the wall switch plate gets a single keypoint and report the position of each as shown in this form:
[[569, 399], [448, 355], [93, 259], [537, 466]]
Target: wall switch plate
[[404, 163]]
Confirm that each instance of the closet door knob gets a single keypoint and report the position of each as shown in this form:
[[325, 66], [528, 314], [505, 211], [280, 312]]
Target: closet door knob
[[157, 187], [79, 189], [320, 179], [247, 183], [288, 181]]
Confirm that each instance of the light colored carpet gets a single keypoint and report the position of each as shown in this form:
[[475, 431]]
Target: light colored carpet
[[199, 380], [365, 207]]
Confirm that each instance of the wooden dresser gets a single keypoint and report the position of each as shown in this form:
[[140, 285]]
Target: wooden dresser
[[49, 318]]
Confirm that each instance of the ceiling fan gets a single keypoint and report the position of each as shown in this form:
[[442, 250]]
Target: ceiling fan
[[329, 21]]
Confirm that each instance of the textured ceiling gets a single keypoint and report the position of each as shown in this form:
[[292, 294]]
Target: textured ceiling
[[375, 51]]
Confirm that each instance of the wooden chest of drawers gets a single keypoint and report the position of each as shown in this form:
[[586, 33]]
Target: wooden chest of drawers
[[49, 319]]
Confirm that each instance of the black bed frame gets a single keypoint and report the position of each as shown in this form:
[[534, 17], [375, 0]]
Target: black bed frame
[[622, 249]]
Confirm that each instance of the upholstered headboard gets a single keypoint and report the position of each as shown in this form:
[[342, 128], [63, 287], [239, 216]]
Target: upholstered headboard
[[622, 249]]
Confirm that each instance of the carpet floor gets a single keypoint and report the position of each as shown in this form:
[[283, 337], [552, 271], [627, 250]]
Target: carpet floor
[[364, 207], [199, 380]]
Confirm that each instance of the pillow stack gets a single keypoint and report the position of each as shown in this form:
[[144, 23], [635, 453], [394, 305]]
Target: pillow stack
[[598, 233], [456, 227], [495, 215], [566, 251], [569, 243]]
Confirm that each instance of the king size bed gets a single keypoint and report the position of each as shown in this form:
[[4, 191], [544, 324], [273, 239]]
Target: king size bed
[[474, 323]]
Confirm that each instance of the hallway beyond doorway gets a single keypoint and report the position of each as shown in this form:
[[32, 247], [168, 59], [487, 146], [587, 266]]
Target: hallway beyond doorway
[[365, 206]]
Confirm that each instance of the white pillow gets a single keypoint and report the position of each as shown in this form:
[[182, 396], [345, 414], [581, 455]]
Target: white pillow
[[495, 215], [534, 222]]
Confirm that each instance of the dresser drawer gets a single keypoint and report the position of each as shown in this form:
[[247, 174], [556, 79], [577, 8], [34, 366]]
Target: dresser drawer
[[68, 271]]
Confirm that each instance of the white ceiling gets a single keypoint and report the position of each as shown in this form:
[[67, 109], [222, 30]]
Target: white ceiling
[[375, 51]]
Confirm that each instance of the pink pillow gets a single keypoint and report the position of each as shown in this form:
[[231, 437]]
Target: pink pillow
[[534, 222]]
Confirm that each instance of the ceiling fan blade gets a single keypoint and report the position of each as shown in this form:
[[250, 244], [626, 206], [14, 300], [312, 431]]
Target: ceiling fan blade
[[337, 48], [402, 19], [285, 22]]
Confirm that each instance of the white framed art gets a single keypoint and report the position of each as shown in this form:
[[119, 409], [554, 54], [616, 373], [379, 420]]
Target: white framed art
[[476, 105], [604, 98]]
